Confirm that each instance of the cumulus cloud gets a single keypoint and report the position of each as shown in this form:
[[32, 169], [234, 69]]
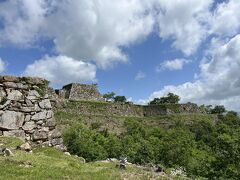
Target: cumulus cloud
[[219, 80], [2, 66], [140, 75], [176, 64], [61, 70], [98, 30], [22, 21], [185, 22], [225, 20]]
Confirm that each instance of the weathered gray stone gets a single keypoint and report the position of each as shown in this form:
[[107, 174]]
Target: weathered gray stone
[[50, 122], [26, 147], [11, 120], [45, 104], [33, 95], [2, 93], [29, 103], [34, 108], [27, 118], [40, 116], [56, 141], [46, 129], [39, 135], [15, 133], [61, 147], [8, 102], [15, 95], [8, 152], [50, 114], [1, 133], [54, 134], [28, 126], [22, 86], [10, 85], [39, 122]]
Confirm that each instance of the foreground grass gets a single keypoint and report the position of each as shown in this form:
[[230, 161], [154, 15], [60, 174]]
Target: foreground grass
[[49, 163]]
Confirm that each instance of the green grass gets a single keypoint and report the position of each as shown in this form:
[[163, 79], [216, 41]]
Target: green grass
[[49, 163], [116, 125]]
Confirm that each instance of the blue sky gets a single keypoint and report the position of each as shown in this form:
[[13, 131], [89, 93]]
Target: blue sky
[[138, 48]]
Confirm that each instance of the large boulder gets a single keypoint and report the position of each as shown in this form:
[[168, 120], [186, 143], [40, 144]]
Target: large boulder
[[11, 120]]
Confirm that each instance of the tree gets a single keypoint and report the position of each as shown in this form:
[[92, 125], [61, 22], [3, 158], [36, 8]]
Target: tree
[[109, 96], [170, 99], [120, 99], [218, 109]]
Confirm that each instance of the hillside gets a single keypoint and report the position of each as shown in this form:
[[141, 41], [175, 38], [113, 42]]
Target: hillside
[[205, 145], [49, 163], [162, 138]]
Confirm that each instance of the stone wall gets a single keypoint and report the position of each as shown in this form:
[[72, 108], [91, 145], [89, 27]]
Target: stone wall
[[120, 109], [166, 109], [26, 112], [98, 108], [77, 91]]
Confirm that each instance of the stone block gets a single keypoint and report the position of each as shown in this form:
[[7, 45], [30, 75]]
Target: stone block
[[39, 116], [50, 122], [39, 135], [33, 95], [28, 126], [56, 141], [54, 134], [15, 133], [15, 95], [11, 120], [10, 85], [45, 104]]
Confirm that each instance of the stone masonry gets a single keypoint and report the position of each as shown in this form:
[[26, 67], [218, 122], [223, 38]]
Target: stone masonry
[[80, 92], [26, 111]]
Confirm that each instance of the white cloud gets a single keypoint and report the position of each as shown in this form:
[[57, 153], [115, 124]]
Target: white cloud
[[225, 20], [98, 30], [22, 21], [219, 80], [2, 66], [140, 75], [184, 21], [61, 70], [176, 64]]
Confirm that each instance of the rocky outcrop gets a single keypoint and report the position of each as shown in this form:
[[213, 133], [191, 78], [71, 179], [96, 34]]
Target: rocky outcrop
[[26, 111]]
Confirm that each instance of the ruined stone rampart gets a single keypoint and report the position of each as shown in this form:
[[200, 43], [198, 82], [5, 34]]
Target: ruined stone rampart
[[26, 112], [125, 110], [80, 92]]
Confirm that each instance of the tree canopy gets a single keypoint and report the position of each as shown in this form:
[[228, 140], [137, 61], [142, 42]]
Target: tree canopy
[[169, 99]]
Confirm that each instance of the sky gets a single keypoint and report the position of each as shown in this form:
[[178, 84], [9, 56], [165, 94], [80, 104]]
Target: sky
[[142, 49]]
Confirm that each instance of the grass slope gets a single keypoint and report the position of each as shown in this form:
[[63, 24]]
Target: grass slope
[[49, 163]]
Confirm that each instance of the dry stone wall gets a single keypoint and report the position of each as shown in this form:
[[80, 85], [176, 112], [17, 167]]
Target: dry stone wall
[[91, 108], [78, 92], [26, 111]]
